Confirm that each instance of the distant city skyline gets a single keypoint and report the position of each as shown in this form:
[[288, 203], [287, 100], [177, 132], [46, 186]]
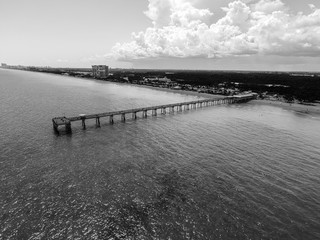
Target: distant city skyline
[[266, 35]]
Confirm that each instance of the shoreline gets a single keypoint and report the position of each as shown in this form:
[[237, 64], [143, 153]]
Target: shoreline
[[183, 92], [296, 107]]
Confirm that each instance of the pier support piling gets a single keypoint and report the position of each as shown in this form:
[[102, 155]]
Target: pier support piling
[[83, 123], [144, 113], [154, 112], [123, 117], [98, 122], [55, 126], [68, 127]]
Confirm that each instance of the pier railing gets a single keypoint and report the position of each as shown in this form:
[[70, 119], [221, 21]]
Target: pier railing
[[179, 107]]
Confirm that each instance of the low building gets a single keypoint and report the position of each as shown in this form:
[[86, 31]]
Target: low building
[[165, 79], [150, 79], [4, 65], [177, 88], [100, 71]]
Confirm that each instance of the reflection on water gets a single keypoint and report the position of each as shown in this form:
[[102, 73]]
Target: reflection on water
[[225, 172]]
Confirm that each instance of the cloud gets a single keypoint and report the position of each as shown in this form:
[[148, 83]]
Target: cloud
[[175, 13], [268, 6], [266, 27], [312, 6]]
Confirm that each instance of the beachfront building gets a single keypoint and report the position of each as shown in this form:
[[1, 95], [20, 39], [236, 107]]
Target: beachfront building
[[157, 79], [3, 65], [100, 71]]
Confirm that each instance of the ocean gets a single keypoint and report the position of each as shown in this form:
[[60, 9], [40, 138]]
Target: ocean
[[240, 171]]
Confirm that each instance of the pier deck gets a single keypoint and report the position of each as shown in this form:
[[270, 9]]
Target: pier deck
[[61, 120], [66, 121]]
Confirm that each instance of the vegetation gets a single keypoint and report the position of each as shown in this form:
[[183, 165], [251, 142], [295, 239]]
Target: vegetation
[[303, 88]]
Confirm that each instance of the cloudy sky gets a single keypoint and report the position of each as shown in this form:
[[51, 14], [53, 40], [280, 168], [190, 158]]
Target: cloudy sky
[[176, 34]]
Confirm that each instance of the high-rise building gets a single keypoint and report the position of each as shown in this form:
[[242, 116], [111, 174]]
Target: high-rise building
[[100, 71]]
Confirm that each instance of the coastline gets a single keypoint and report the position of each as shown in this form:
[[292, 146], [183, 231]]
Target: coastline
[[296, 107], [184, 92], [313, 108]]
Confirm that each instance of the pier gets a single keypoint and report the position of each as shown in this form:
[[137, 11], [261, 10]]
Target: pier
[[164, 109]]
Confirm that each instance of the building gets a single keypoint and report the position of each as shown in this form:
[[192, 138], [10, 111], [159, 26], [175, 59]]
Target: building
[[165, 79], [157, 79], [4, 65], [100, 71]]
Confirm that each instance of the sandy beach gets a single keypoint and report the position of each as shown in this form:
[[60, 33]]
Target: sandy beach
[[192, 93], [313, 108]]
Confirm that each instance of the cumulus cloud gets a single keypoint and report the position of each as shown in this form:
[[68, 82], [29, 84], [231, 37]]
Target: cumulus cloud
[[175, 12], [248, 27], [268, 6]]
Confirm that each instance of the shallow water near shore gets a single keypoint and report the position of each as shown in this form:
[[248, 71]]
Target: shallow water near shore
[[242, 171]]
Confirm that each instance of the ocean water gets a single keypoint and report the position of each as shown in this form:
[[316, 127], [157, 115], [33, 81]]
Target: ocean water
[[242, 171]]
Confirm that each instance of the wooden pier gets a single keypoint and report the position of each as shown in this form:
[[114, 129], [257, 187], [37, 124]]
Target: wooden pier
[[168, 108]]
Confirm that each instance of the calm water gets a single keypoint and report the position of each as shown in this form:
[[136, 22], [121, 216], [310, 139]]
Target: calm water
[[225, 172]]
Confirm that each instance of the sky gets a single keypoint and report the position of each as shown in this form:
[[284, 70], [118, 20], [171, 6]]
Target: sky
[[267, 35]]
